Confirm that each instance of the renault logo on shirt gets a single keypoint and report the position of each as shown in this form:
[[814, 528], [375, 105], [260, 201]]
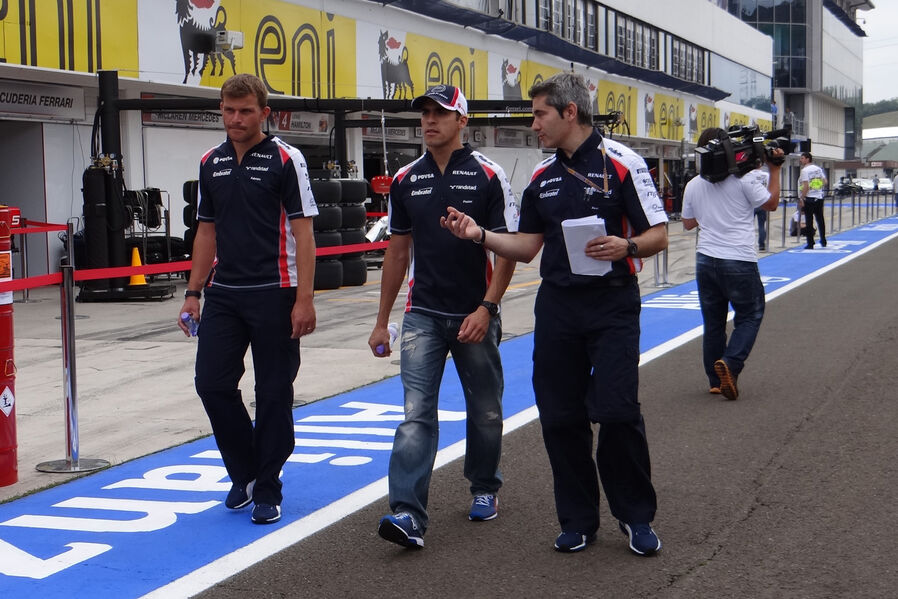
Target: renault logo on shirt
[[265, 156], [465, 173]]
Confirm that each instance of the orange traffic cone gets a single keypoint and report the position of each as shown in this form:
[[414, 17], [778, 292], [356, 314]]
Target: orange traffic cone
[[135, 261]]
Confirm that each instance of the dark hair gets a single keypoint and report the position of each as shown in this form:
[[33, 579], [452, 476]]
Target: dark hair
[[244, 84], [562, 89], [808, 156], [709, 134]]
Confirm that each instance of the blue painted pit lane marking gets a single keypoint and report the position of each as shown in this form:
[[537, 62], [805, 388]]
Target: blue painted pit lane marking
[[157, 526]]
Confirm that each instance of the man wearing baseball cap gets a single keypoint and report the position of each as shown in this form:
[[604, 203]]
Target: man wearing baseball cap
[[447, 96], [454, 290]]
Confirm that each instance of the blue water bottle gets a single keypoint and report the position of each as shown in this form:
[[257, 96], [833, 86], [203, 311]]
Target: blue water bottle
[[192, 325]]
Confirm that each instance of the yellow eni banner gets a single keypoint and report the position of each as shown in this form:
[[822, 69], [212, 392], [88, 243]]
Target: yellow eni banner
[[434, 62], [533, 73], [702, 116], [664, 114], [73, 35], [295, 50], [614, 97], [735, 119]]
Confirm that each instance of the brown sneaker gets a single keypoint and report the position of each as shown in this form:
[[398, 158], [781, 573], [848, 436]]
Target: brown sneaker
[[727, 380], [714, 390]]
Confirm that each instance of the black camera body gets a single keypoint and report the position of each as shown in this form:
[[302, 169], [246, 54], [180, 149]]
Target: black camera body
[[740, 150]]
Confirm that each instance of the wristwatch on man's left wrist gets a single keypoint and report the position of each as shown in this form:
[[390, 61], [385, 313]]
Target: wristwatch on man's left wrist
[[632, 248], [492, 308]]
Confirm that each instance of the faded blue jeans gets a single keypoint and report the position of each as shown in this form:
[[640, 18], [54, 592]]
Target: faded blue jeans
[[720, 283], [425, 343]]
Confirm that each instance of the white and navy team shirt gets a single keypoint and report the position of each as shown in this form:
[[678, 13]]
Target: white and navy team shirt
[[449, 276], [251, 205], [630, 207]]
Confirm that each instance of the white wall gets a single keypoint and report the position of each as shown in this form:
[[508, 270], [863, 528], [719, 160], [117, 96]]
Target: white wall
[[172, 156]]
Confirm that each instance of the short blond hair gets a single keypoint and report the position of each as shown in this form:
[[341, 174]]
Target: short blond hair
[[244, 84]]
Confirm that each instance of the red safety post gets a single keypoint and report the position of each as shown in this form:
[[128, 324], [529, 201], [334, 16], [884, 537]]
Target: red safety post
[[9, 471]]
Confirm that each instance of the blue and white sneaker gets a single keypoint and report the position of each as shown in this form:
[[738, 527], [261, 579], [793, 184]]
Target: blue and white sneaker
[[266, 513], [483, 508], [240, 496], [401, 529], [572, 542], [643, 540]]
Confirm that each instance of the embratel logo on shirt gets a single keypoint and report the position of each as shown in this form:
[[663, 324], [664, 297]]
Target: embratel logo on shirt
[[414, 178], [216, 160], [549, 194], [422, 192], [222, 173]]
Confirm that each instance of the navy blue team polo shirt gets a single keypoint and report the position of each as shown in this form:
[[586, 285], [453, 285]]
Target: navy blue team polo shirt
[[251, 205], [449, 276], [554, 195]]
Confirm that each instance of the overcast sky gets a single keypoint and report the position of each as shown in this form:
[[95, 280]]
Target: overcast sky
[[880, 50]]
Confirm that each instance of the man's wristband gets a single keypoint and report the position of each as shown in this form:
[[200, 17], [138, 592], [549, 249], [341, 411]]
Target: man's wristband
[[191, 293], [482, 237]]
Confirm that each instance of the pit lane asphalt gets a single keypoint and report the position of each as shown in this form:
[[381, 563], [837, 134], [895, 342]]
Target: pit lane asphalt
[[783, 493]]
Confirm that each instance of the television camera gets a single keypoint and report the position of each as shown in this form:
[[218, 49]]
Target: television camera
[[740, 150]]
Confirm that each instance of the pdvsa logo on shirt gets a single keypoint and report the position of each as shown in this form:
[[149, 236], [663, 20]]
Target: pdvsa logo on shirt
[[547, 181], [218, 159], [222, 173], [422, 192], [414, 178]]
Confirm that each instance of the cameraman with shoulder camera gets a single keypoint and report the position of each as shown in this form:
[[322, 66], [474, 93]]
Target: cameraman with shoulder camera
[[726, 263], [811, 182]]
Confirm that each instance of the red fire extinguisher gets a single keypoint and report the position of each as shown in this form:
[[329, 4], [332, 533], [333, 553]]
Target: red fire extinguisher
[[9, 472]]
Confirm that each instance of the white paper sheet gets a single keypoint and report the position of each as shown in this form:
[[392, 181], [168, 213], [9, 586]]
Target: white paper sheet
[[577, 232]]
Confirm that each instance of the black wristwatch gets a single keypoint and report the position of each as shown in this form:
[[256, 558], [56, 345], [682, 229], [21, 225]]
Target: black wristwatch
[[632, 248], [492, 308], [191, 293]]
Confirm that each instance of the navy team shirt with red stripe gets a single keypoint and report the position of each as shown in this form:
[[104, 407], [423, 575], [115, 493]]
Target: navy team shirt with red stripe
[[449, 276], [554, 195], [251, 205]]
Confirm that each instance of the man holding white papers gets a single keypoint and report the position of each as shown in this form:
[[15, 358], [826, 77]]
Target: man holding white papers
[[586, 336]]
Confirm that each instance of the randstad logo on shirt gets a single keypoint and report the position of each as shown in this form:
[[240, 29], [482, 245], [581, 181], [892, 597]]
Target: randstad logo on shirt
[[216, 160], [222, 173], [422, 192], [463, 187], [547, 181], [424, 176]]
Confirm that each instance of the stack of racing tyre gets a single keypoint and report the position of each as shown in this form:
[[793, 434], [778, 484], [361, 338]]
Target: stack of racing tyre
[[340, 221]]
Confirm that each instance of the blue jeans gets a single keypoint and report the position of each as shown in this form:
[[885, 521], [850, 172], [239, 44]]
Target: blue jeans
[[722, 282], [425, 342], [761, 215]]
